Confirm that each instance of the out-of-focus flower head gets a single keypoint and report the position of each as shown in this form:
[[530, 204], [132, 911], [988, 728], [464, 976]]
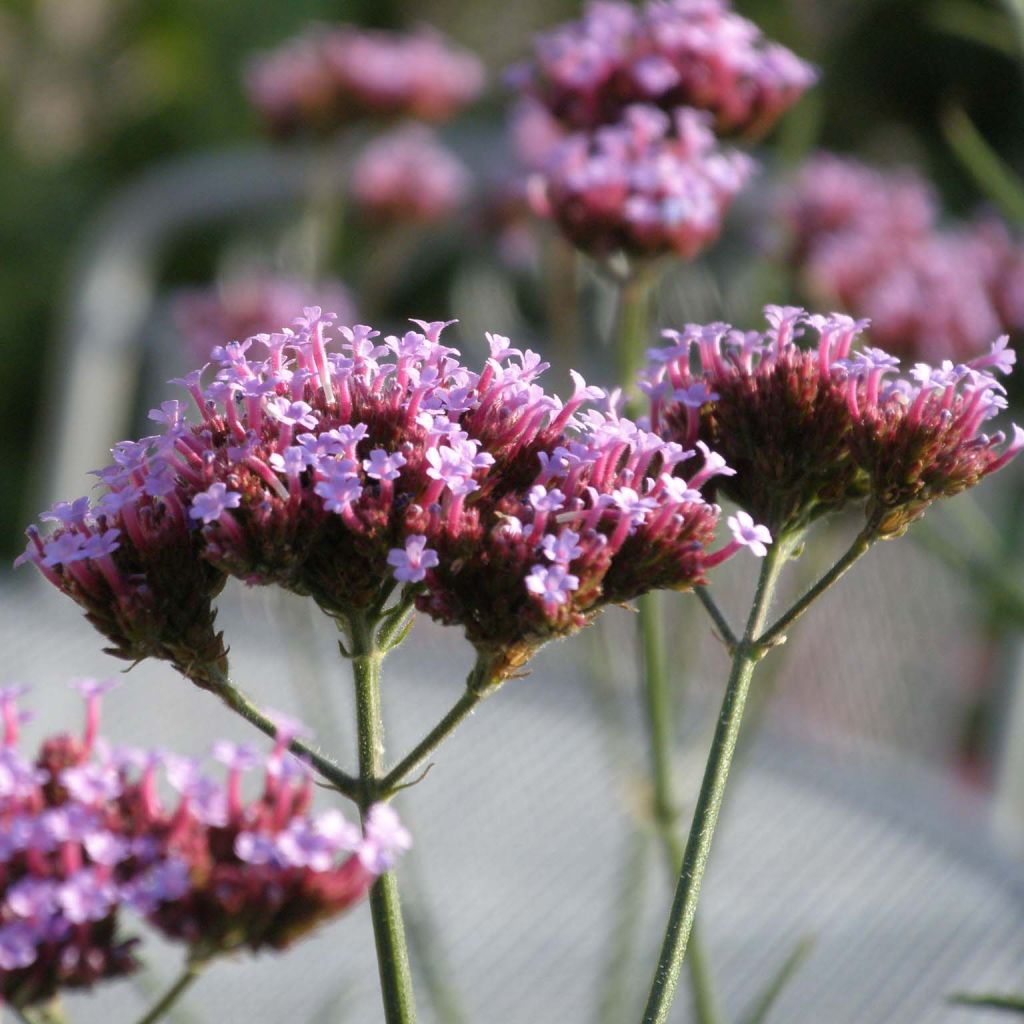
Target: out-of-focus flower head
[[408, 175], [668, 53], [331, 75], [62, 862], [254, 303], [647, 185], [254, 873], [336, 470], [870, 241], [86, 832], [809, 431]]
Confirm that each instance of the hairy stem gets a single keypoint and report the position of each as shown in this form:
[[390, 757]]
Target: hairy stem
[[717, 617], [863, 541], [709, 802], [385, 907], [163, 1005], [658, 708], [460, 711], [221, 685]]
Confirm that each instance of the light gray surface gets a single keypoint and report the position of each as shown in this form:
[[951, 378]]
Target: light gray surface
[[522, 829]]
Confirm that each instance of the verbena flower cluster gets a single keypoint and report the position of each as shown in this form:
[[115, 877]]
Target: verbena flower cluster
[[809, 430], [870, 241], [649, 184], [250, 304], [668, 53], [337, 473], [331, 75], [86, 829], [408, 175]]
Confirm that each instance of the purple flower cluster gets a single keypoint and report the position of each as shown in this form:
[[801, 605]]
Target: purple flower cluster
[[869, 241], [331, 75], [646, 185], [408, 175], [808, 431], [336, 472], [251, 304], [84, 833], [667, 53]]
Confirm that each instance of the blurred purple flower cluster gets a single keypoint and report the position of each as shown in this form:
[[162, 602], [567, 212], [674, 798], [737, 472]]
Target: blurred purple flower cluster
[[650, 183], [331, 75], [250, 304], [870, 241], [87, 832], [408, 176], [619, 116], [667, 53]]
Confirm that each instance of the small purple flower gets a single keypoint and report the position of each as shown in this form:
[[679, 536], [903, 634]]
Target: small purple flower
[[295, 414], [18, 946], [563, 548], [210, 505], [749, 534], [340, 486], [164, 882], [92, 783], [412, 562], [382, 466], [544, 500], [385, 837], [67, 513], [105, 847], [65, 549], [100, 545], [552, 584], [301, 845], [451, 467], [255, 848], [241, 757], [338, 830], [91, 688], [85, 896]]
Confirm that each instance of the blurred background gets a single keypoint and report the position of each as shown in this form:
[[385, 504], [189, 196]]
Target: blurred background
[[146, 209]]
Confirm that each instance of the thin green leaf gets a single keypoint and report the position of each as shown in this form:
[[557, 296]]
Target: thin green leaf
[[1016, 11], [763, 1005], [996, 30], [1015, 1004], [982, 162]]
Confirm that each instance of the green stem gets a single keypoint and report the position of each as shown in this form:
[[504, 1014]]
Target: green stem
[[220, 684], [635, 292], [460, 711], [160, 1009], [385, 907], [717, 617], [698, 846], [658, 707], [863, 541], [758, 1013]]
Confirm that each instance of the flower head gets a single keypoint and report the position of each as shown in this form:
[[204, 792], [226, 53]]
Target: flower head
[[254, 303], [673, 53], [333, 462], [407, 175], [810, 430], [647, 184], [870, 241], [331, 75], [87, 833]]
